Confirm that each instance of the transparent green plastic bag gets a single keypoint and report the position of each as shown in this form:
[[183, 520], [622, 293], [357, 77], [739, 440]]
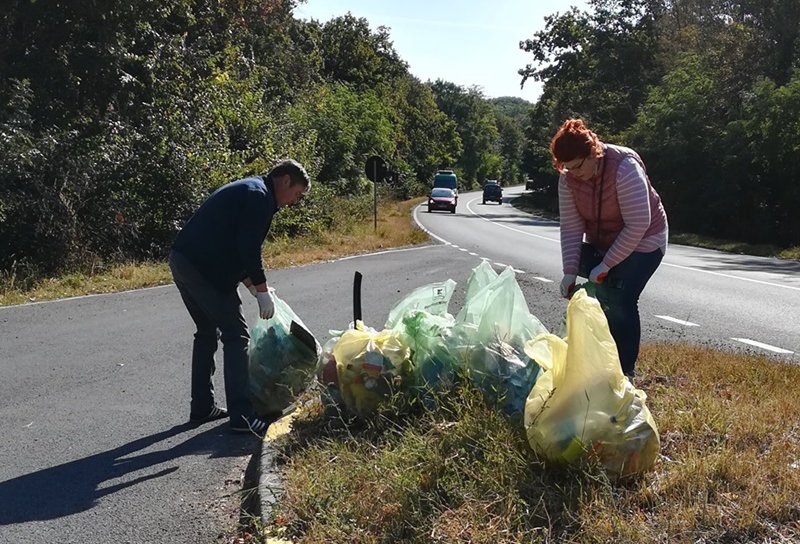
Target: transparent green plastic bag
[[582, 407], [494, 326], [422, 319], [499, 311], [481, 276], [504, 374], [371, 366], [435, 362], [281, 364], [432, 298]]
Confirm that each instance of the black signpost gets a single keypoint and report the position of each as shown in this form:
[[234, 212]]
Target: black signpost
[[376, 169]]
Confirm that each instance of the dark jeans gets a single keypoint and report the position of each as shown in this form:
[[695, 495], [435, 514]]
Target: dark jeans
[[216, 315], [619, 297]]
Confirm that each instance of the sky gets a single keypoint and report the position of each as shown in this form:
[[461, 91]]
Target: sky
[[467, 42]]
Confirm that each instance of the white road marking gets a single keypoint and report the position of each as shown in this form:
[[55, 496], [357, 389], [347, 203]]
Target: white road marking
[[678, 321], [415, 248], [557, 240], [473, 254], [517, 270], [763, 346], [465, 250], [663, 263], [78, 297], [771, 284], [432, 235], [501, 265], [543, 279]]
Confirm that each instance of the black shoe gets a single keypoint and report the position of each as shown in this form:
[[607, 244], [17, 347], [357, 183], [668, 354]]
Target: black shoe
[[216, 413], [251, 424]]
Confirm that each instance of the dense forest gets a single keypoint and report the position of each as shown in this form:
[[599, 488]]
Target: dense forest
[[118, 118], [707, 91]]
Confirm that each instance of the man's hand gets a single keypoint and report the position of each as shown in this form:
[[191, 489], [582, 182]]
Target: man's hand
[[266, 306], [568, 285], [599, 273], [250, 287]]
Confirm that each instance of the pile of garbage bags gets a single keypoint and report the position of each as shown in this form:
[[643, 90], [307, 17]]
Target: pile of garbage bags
[[423, 349], [568, 392]]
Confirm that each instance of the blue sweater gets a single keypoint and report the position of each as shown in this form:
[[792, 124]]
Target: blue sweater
[[223, 238]]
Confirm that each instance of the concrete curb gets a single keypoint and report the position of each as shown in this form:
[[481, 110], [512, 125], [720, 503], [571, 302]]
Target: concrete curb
[[270, 483]]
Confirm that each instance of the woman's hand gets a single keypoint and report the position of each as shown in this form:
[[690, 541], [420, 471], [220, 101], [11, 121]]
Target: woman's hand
[[599, 273], [568, 285]]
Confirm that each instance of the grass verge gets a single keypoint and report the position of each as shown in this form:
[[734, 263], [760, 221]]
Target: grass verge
[[729, 468], [394, 229]]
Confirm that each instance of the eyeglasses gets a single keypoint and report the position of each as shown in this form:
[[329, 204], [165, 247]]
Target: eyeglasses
[[564, 167]]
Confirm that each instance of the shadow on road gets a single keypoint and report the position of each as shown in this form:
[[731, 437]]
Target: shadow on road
[[76, 486]]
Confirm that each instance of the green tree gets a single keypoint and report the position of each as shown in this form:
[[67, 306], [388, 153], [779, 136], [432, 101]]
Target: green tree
[[597, 64], [352, 53], [349, 127], [513, 107], [127, 115], [510, 142], [427, 138], [513, 114], [761, 151], [475, 120], [675, 134], [536, 158]]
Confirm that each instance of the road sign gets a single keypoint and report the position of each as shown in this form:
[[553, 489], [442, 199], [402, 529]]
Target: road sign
[[376, 169]]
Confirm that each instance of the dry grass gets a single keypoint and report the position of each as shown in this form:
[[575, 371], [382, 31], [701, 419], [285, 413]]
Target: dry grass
[[729, 469], [115, 278], [742, 248], [394, 229]]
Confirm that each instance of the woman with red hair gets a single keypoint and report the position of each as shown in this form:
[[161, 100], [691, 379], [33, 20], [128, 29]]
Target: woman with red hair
[[613, 228]]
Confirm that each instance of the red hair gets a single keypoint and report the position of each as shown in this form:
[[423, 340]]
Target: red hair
[[574, 140]]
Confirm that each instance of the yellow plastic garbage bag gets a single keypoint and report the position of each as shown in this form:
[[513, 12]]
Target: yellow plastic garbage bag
[[582, 407], [371, 366]]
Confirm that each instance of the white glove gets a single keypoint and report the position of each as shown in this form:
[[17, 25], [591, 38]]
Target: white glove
[[568, 285], [266, 306], [599, 273]]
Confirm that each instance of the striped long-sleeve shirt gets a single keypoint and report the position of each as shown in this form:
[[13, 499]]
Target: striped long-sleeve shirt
[[634, 204]]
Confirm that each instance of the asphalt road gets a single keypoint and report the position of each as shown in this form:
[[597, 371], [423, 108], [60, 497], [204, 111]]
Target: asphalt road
[[94, 400], [731, 302], [94, 390]]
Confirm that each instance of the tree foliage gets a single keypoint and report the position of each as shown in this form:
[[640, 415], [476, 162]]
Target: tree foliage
[[118, 119], [704, 90], [477, 130]]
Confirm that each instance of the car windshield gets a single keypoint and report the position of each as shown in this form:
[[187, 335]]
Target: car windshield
[[442, 193]]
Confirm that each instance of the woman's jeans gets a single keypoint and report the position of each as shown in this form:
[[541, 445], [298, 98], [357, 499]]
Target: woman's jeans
[[619, 297], [216, 315]]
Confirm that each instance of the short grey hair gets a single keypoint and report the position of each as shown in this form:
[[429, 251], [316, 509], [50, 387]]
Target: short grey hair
[[297, 174]]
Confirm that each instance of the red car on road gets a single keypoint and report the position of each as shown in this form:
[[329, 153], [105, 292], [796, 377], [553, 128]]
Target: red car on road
[[442, 199]]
